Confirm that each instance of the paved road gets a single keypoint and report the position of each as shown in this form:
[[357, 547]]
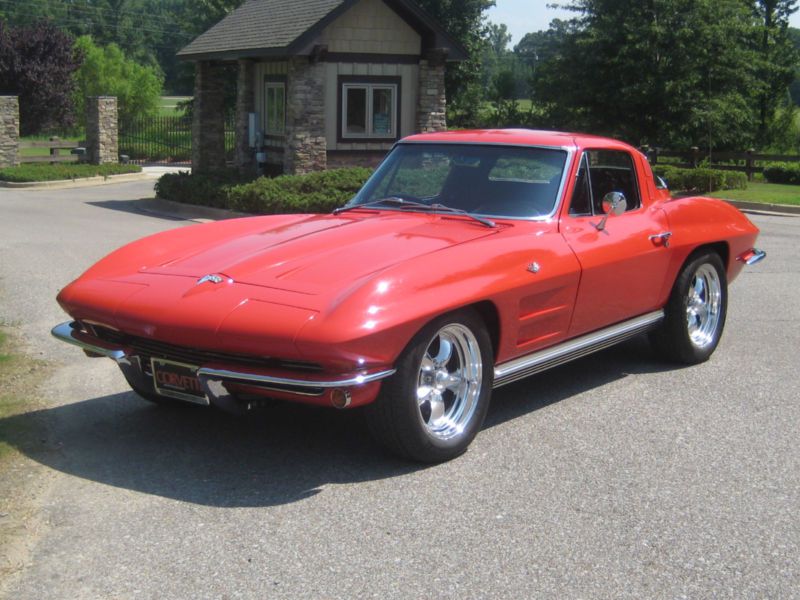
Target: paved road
[[616, 476]]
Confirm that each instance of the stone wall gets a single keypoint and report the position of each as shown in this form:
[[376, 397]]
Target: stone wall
[[432, 102], [102, 137], [339, 159], [9, 131], [208, 124], [305, 119], [245, 104]]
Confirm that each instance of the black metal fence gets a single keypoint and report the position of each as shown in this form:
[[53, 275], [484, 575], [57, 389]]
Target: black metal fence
[[164, 140]]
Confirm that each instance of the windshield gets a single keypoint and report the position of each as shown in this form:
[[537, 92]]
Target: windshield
[[492, 181]]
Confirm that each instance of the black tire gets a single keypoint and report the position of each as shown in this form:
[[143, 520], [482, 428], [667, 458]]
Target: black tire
[[695, 312], [440, 425]]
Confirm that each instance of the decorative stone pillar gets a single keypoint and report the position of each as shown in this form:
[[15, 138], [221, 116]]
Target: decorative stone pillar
[[306, 146], [432, 100], [9, 131], [208, 119], [245, 104], [102, 138]]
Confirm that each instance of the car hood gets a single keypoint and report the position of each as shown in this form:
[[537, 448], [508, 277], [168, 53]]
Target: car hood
[[312, 254]]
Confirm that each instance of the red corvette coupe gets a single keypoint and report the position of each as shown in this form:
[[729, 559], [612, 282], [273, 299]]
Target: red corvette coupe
[[469, 260]]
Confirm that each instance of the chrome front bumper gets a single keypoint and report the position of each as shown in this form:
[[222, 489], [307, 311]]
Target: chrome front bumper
[[212, 379]]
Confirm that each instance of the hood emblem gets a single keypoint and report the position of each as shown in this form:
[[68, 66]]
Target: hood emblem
[[213, 279], [534, 267]]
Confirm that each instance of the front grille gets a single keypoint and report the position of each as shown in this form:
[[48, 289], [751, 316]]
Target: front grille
[[147, 349]]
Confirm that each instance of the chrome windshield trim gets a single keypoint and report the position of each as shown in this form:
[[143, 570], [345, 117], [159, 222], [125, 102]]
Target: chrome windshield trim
[[542, 360], [67, 333], [255, 378]]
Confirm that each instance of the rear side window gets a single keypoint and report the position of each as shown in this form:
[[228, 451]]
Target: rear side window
[[602, 172]]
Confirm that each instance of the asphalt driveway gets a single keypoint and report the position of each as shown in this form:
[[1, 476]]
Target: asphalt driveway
[[616, 476]]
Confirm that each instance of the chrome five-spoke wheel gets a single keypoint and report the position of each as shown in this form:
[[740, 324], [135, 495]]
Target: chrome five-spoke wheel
[[695, 313], [703, 305], [449, 381], [434, 405]]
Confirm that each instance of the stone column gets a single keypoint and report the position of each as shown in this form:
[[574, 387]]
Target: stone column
[[9, 131], [432, 101], [102, 138], [208, 122], [306, 146], [245, 104]]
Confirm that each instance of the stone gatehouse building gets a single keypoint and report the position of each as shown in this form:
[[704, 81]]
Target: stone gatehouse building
[[320, 82]]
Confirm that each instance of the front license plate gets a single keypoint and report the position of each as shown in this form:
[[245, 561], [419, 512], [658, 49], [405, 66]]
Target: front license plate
[[177, 380]]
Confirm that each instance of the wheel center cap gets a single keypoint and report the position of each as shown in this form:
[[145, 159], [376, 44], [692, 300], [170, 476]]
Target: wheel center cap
[[440, 379]]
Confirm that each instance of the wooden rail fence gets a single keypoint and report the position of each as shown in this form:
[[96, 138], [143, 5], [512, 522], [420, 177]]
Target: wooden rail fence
[[745, 162], [55, 146]]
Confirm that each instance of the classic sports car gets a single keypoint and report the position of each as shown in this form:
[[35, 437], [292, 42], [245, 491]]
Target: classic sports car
[[469, 260]]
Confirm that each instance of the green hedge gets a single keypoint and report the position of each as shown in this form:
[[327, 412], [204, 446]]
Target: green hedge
[[701, 180], [206, 190], [318, 192], [783, 173], [27, 173]]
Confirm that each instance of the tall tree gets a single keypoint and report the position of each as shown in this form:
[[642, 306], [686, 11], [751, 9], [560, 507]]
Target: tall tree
[[106, 71], [463, 20], [778, 59], [678, 72], [37, 63]]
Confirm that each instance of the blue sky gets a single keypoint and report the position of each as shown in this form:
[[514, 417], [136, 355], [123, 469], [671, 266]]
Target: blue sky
[[523, 16]]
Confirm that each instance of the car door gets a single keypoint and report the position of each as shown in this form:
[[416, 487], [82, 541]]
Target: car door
[[623, 259]]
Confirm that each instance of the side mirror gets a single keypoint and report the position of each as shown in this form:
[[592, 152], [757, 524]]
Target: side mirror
[[614, 203]]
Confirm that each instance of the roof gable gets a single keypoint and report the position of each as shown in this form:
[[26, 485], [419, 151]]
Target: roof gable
[[284, 28]]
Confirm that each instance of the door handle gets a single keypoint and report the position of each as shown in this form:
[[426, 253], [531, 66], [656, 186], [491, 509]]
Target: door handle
[[661, 239]]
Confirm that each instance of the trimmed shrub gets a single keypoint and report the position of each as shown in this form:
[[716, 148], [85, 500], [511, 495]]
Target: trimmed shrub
[[783, 173], [702, 180], [56, 172], [206, 190], [318, 192]]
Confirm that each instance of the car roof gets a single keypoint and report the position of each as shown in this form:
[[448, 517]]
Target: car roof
[[516, 137]]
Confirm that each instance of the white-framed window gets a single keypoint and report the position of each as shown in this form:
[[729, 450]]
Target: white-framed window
[[369, 110], [275, 107]]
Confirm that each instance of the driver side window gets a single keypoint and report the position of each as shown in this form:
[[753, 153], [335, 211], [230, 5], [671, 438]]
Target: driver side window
[[602, 172]]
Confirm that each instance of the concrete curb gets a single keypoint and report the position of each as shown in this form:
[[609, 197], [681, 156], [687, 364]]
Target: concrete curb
[[190, 212], [62, 184]]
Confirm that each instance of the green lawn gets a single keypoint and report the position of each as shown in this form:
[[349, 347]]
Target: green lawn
[[45, 138], [27, 173], [768, 193], [167, 104]]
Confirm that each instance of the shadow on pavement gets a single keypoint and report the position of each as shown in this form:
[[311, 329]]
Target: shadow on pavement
[[138, 207], [280, 455]]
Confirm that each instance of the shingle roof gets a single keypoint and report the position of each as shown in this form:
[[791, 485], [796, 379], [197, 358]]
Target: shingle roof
[[273, 27], [262, 24]]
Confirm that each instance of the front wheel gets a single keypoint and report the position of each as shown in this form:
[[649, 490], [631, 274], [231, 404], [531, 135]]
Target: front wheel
[[435, 404], [695, 313]]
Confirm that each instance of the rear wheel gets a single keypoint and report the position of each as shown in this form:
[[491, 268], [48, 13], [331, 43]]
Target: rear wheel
[[696, 311], [435, 404]]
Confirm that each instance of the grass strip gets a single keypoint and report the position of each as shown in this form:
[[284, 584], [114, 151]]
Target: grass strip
[[47, 172], [766, 193], [19, 375]]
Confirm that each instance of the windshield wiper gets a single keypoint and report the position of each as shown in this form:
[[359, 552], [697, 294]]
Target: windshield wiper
[[460, 211], [398, 202], [391, 200]]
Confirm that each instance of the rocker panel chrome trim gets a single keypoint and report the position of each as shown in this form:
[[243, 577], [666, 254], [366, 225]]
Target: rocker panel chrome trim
[[524, 366]]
